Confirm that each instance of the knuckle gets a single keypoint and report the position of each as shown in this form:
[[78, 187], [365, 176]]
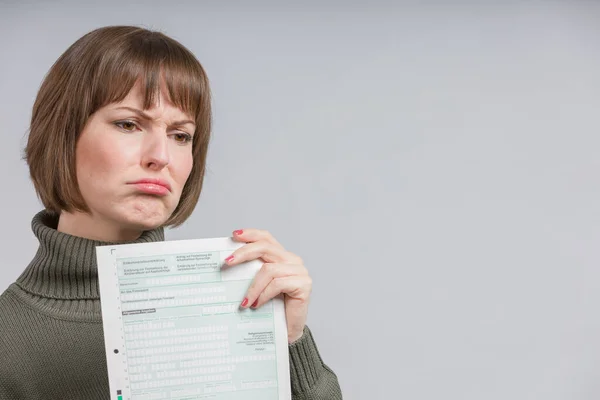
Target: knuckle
[[278, 284], [262, 247], [294, 258], [239, 253], [264, 233], [309, 281], [252, 288], [268, 268], [307, 288]]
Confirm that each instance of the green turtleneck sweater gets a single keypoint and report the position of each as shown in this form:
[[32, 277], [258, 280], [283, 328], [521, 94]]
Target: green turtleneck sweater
[[51, 338]]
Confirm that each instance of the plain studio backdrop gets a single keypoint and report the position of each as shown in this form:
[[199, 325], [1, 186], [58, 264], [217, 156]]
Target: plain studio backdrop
[[435, 164]]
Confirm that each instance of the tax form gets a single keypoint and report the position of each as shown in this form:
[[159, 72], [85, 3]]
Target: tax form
[[173, 328]]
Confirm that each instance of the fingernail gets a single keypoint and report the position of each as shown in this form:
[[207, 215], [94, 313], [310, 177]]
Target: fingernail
[[238, 232], [245, 302], [228, 259], [254, 304]]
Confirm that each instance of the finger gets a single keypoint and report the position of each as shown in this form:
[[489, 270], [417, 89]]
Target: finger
[[297, 287], [266, 275], [266, 251], [249, 235]]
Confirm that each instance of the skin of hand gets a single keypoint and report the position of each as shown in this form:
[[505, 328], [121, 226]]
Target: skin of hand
[[282, 272]]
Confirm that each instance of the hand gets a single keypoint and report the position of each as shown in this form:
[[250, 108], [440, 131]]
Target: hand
[[282, 272]]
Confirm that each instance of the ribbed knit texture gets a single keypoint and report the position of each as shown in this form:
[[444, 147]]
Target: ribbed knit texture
[[51, 338], [311, 378]]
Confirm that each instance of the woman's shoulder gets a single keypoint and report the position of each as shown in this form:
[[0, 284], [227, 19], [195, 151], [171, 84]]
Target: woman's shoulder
[[8, 303], [17, 315], [11, 312]]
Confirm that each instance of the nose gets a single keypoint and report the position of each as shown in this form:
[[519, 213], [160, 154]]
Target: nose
[[155, 155]]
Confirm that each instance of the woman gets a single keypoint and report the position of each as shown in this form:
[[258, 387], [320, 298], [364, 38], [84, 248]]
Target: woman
[[117, 150]]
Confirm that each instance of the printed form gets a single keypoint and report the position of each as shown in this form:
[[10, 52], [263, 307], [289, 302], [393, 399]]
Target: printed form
[[173, 328]]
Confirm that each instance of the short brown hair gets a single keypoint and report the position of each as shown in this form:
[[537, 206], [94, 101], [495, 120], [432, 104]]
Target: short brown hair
[[98, 69]]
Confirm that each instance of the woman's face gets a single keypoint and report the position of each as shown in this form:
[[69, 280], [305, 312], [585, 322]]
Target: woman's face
[[132, 164]]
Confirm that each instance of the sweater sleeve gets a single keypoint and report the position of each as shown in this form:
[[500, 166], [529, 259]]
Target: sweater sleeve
[[311, 379]]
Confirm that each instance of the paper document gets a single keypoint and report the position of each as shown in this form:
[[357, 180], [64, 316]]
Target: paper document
[[173, 328]]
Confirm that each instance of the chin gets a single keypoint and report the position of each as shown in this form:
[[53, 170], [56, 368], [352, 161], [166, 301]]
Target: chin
[[145, 224], [146, 216]]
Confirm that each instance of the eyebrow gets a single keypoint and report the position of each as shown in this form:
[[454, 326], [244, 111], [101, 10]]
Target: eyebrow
[[148, 117]]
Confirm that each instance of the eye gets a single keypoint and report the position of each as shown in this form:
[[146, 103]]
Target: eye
[[182, 137], [127, 126]]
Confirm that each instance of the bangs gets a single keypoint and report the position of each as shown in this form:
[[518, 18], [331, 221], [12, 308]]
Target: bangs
[[151, 59]]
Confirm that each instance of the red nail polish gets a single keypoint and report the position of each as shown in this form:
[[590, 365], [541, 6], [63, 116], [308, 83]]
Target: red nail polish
[[238, 232], [228, 259], [245, 302], [254, 304]]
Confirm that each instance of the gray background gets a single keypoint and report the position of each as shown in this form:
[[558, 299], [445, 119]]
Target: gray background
[[435, 164]]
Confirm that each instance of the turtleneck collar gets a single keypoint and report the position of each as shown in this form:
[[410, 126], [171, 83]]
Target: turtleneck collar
[[64, 267]]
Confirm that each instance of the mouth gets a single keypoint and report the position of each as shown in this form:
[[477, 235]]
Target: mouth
[[152, 186]]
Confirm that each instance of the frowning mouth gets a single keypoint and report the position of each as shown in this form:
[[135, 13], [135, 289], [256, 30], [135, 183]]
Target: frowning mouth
[[152, 186]]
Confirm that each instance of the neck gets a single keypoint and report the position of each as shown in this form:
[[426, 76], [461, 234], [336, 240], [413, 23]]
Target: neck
[[93, 227], [64, 272]]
